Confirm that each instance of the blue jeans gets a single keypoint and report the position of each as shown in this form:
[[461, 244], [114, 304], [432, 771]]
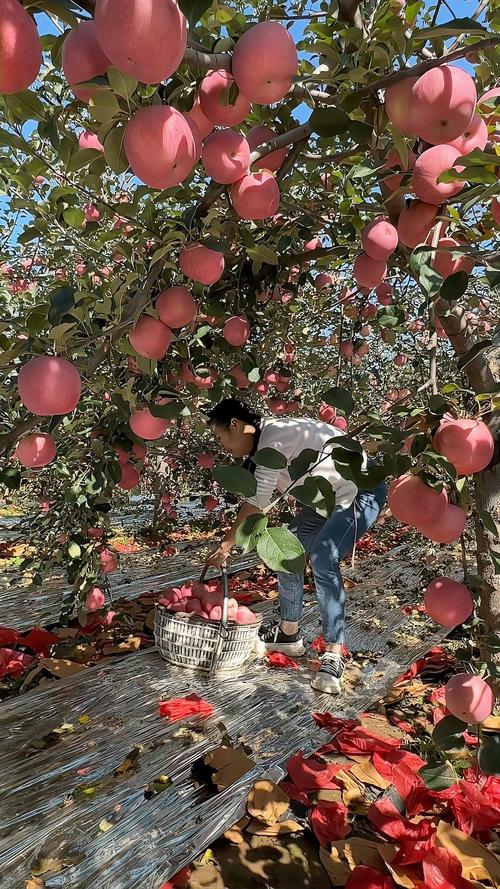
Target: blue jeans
[[326, 542]]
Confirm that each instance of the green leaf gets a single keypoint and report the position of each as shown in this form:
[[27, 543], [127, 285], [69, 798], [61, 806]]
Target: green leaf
[[301, 463], [449, 733], [74, 550], [11, 140], [194, 9], [473, 352], [438, 777], [361, 132], [329, 121], [236, 480], [61, 8], [270, 458], [122, 84], [114, 151], [260, 254], [281, 550], [250, 531], [10, 477], [317, 493], [488, 522], [489, 755], [421, 266], [62, 299], [25, 106], [339, 398], [83, 158], [74, 217], [454, 286], [448, 29], [167, 411]]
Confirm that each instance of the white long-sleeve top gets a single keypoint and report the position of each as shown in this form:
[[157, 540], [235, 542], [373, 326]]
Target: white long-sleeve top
[[290, 436]]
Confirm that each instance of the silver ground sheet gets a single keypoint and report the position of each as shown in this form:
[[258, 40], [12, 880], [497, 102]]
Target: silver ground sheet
[[114, 707]]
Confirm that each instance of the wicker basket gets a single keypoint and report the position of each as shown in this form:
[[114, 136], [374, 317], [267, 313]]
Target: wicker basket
[[215, 647]]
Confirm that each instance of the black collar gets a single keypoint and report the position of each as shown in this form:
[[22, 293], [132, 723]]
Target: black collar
[[248, 462]]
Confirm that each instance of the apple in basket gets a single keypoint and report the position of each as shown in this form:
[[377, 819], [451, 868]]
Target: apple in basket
[[209, 606]]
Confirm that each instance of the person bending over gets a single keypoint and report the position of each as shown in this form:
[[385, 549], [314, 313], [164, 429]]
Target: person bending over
[[241, 432]]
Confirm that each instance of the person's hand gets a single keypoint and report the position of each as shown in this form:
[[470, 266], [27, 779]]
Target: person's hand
[[219, 556]]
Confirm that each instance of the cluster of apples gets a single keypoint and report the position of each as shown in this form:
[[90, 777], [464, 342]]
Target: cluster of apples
[[467, 696], [205, 600], [468, 445], [441, 108], [162, 144]]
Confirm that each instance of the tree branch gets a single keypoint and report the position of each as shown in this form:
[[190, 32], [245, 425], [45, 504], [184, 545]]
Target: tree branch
[[10, 438], [131, 313], [207, 61], [297, 134], [290, 159], [478, 370], [422, 67]]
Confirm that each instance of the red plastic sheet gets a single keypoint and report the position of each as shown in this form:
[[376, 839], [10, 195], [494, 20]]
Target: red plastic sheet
[[13, 663], [386, 818], [294, 793], [442, 870], [181, 708], [40, 641], [358, 740], [334, 723], [328, 821], [281, 661], [475, 811], [9, 637], [319, 645], [178, 881], [310, 775], [364, 877], [436, 657]]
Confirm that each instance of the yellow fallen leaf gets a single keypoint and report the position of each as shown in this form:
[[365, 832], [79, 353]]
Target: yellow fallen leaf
[[84, 718], [478, 863], [105, 825], [267, 802]]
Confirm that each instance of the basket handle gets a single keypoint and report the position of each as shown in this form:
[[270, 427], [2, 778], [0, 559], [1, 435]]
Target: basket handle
[[223, 621]]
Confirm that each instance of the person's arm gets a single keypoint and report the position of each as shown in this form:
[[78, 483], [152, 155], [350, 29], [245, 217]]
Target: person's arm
[[219, 556]]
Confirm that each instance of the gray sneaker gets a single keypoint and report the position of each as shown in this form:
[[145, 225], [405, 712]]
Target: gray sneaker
[[329, 676]]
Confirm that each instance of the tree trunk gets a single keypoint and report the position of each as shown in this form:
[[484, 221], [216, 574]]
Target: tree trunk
[[487, 498]]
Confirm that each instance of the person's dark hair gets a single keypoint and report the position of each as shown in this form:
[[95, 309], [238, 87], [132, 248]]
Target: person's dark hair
[[231, 408]]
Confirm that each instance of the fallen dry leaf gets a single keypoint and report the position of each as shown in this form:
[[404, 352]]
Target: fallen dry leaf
[[229, 763], [235, 833], [329, 796], [267, 802], [133, 643], [478, 863], [367, 774], [273, 830], [407, 877], [413, 687], [345, 855], [61, 667], [492, 724], [130, 763], [380, 725], [353, 793]]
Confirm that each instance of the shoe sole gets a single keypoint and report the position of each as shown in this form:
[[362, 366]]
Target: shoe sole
[[326, 683], [292, 649]]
